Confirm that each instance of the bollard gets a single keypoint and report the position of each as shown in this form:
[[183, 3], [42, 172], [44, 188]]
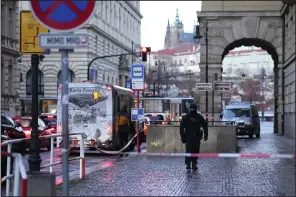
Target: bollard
[[41, 184]]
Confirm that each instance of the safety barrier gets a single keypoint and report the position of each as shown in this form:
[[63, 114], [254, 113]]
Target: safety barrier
[[51, 164], [214, 155], [19, 170]]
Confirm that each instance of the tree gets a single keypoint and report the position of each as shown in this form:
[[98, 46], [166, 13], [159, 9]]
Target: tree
[[251, 90]]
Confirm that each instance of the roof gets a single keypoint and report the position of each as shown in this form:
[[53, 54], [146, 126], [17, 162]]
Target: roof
[[183, 48], [245, 51]]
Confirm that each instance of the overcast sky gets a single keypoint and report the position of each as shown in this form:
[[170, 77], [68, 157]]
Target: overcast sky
[[156, 14]]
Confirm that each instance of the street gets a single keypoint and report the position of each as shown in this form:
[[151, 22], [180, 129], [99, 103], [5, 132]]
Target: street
[[166, 176]]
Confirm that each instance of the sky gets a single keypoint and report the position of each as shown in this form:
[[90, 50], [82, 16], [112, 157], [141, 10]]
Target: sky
[[155, 19]]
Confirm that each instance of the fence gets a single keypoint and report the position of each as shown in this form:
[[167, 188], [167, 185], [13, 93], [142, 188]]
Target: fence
[[19, 169], [50, 165]]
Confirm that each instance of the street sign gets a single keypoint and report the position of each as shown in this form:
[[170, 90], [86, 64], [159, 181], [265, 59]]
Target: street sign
[[221, 86], [128, 84], [63, 41], [29, 30], [204, 86], [137, 75], [137, 114], [62, 15]]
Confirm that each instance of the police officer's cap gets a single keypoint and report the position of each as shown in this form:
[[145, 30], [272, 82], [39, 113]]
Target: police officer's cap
[[193, 107]]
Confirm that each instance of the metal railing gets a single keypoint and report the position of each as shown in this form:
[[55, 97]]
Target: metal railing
[[19, 170], [51, 164]]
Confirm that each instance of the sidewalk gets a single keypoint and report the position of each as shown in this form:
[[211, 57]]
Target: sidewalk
[[153, 176]]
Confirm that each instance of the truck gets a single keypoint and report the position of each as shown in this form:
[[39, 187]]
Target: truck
[[93, 108]]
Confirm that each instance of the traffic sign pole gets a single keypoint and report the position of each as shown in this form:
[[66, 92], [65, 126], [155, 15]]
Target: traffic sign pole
[[65, 119], [138, 126]]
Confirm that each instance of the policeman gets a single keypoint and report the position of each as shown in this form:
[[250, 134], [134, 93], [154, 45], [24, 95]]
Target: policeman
[[191, 134]]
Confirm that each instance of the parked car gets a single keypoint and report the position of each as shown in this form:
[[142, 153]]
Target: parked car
[[50, 120], [245, 116], [26, 124], [9, 131]]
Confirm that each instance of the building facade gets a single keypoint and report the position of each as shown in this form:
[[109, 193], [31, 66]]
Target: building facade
[[289, 73], [115, 28], [175, 34], [10, 76]]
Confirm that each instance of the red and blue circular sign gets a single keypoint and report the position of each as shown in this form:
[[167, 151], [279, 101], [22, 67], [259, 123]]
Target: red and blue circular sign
[[62, 15]]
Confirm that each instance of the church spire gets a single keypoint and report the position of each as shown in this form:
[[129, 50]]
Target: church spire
[[177, 17], [168, 22]]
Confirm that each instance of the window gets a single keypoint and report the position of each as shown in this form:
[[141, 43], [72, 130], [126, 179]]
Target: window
[[29, 83], [5, 120], [102, 8], [96, 44], [3, 77], [10, 23], [103, 77], [3, 19], [103, 47], [10, 80], [71, 77]]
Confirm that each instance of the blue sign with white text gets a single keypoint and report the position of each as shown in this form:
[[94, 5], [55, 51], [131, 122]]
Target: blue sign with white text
[[137, 114], [128, 84], [137, 71]]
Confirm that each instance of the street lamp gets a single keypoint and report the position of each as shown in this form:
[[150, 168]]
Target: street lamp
[[198, 36], [34, 157]]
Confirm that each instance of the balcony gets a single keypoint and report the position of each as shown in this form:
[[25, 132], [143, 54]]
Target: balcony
[[10, 45]]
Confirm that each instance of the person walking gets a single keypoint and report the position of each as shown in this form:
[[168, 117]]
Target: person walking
[[191, 134], [122, 127]]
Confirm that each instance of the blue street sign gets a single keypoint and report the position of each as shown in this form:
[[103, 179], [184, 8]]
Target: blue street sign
[[137, 71], [128, 84], [137, 114]]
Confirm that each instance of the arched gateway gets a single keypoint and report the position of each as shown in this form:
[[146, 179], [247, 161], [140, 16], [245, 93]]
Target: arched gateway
[[227, 29]]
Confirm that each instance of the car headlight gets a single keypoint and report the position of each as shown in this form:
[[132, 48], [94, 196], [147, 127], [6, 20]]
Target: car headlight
[[248, 123]]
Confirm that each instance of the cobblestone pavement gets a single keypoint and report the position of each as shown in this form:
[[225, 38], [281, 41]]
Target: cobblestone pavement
[[166, 176]]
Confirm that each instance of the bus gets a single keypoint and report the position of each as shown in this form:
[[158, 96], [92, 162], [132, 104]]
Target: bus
[[93, 108]]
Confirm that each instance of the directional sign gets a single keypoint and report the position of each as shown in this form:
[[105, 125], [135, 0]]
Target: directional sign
[[204, 86], [137, 114], [62, 15], [128, 84], [222, 86], [29, 30], [62, 41], [137, 75]]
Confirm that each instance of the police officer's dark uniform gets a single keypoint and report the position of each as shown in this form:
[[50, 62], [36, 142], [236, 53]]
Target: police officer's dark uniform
[[191, 134]]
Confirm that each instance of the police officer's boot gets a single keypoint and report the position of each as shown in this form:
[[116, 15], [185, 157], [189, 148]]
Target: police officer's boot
[[194, 166]]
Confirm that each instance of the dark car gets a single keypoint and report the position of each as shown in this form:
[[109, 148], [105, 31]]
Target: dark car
[[244, 116], [26, 124], [50, 120], [10, 131]]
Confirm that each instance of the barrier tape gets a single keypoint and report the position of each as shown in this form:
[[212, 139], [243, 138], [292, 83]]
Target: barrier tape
[[119, 151], [214, 155]]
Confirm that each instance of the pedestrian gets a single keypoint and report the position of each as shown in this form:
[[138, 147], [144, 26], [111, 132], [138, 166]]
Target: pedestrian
[[122, 127], [191, 134]]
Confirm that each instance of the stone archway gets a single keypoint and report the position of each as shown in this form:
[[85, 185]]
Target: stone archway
[[227, 30]]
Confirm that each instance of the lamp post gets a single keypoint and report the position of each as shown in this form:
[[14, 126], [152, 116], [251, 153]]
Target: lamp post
[[34, 157], [198, 36]]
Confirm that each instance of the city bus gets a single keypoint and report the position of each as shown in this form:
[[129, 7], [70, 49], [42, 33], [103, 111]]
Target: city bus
[[93, 108]]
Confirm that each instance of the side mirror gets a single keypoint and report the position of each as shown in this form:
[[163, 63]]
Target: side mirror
[[221, 116]]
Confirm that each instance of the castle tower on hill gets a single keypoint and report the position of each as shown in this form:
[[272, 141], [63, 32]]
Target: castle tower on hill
[[175, 34]]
